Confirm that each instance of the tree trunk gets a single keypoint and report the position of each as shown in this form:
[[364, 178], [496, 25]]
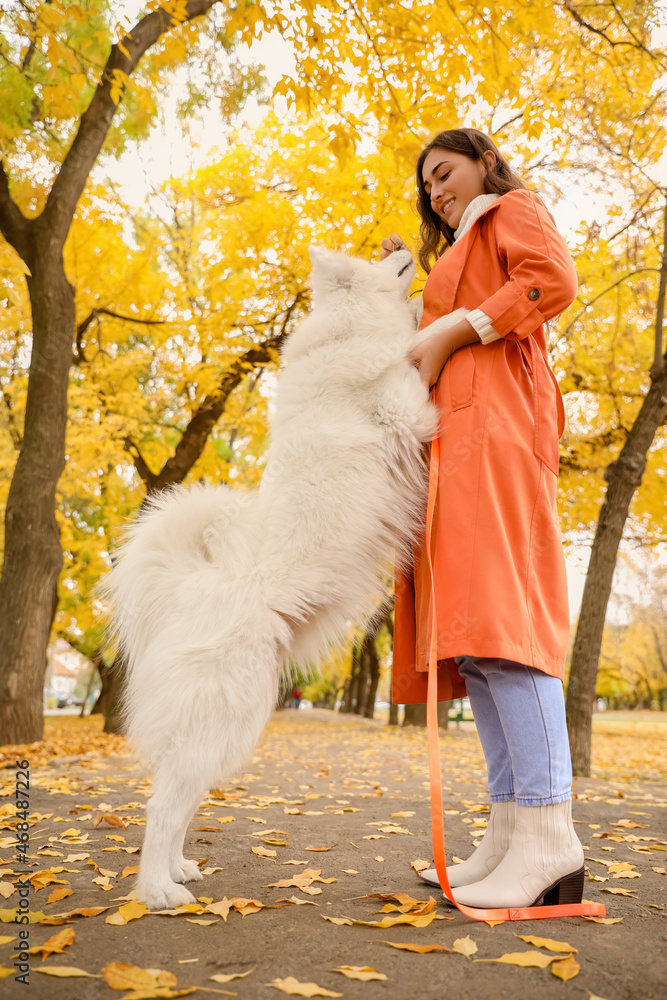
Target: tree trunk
[[109, 699], [363, 677], [374, 679], [624, 476], [349, 692], [415, 715], [33, 554]]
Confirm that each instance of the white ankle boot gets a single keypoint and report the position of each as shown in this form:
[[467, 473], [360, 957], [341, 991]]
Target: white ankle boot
[[488, 855], [543, 866]]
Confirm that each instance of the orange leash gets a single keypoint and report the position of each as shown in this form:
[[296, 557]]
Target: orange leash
[[435, 773]]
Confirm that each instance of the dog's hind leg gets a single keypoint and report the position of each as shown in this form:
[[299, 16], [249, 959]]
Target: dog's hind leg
[[178, 790]]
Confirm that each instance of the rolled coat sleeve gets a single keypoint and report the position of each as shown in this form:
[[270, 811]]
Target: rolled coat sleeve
[[542, 277]]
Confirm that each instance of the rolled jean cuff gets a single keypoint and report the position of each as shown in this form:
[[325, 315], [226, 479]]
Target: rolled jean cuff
[[550, 800]]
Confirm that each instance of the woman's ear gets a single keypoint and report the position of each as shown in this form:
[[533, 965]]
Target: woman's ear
[[489, 158]]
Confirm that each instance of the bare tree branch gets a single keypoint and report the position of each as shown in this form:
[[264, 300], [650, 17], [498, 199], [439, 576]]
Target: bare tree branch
[[13, 223], [95, 122]]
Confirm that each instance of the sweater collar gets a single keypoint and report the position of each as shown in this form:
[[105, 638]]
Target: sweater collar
[[473, 211]]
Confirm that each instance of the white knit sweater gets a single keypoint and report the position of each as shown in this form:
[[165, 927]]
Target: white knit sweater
[[480, 322]]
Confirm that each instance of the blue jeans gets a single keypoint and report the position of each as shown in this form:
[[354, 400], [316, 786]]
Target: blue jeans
[[520, 716]]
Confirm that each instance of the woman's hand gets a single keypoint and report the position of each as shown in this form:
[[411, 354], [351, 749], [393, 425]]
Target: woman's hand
[[430, 356], [389, 244]]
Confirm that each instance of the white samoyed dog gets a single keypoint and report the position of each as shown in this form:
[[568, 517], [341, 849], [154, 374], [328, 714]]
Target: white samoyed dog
[[217, 593]]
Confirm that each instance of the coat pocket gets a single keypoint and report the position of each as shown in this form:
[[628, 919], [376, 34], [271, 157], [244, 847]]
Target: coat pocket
[[461, 377], [546, 409]]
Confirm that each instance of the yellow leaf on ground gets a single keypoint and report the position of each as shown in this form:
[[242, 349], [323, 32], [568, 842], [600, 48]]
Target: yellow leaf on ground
[[465, 946], [60, 892], [108, 818], [222, 978], [547, 943], [420, 949], [65, 971], [605, 920], [263, 852], [295, 988], [221, 909], [403, 918], [363, 972], [619, 892], [55, 944], [567, 969], [527, 959], [338, 920]]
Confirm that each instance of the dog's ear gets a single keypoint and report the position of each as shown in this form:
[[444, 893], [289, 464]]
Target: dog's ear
[[317, 254]]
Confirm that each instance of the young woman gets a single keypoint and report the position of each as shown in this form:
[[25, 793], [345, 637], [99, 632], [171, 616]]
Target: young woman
[[498, 566]]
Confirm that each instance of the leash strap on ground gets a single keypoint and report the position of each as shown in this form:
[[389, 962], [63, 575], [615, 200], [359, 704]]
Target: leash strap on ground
[[584, 909]]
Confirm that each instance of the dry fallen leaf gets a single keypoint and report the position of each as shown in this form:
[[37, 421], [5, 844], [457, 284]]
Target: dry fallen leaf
[[222, 978], [65, 971], [60, 892], [263, 852], [465, 946], [420, 949], [567, 969], [527, 959], [295, 988], [605, 920], [107, 818], [363, 972], [547, 943], [403, 918], [338, 920], [56, 944], [144, 984]]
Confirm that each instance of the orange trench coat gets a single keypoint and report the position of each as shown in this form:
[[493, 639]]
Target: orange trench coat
[[498, 563]]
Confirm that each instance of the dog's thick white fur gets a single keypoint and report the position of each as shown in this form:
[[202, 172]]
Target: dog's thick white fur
[[218, 593]]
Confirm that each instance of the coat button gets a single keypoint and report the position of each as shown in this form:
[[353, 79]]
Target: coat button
[[533, 293]]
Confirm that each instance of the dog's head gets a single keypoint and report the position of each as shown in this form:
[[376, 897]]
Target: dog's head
[[353, 298], [336, 274]]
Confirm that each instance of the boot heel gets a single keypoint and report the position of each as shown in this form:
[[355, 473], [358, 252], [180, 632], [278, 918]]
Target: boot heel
[[569, 889]]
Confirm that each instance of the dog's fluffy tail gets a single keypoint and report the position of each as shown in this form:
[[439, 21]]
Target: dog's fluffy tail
[[181, 566]]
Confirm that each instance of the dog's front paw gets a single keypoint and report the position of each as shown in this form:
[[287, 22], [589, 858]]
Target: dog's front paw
[[186, 871], [165, 896]]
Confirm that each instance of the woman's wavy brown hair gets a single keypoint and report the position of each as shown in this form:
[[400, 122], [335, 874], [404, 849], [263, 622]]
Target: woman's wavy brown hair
[[435, 234]]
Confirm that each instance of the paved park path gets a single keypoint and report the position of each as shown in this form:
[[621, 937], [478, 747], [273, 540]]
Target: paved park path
[[347, 799]]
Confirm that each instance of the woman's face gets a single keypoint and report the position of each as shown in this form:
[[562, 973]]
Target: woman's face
[[452, 180]]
